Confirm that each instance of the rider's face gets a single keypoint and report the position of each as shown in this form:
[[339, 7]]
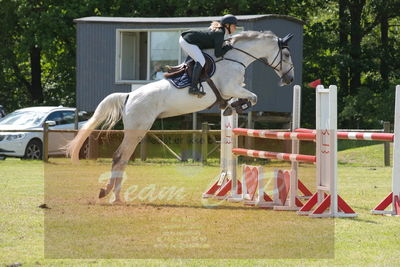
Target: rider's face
[[232, 28]]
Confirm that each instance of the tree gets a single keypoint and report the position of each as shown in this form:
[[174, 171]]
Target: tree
[[352, 43], [343, 44]]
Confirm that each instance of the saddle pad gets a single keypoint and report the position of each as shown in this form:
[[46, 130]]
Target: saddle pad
[[182, 81]]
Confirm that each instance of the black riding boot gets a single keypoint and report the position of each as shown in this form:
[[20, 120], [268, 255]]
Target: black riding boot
[[194, 89]]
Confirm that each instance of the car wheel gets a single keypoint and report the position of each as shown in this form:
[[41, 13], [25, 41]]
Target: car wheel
[[84, 152], [34, 150]]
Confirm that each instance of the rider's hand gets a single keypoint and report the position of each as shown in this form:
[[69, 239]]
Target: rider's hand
[[226, 48]]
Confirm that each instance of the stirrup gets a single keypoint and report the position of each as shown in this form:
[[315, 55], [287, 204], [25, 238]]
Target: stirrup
[[200, 92], [195, 90]]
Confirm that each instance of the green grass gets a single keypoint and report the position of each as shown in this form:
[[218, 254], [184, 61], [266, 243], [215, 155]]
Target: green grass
[[366, 156], [79, 230]]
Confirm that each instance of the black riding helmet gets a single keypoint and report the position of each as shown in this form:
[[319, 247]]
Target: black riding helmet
[[229, 19]]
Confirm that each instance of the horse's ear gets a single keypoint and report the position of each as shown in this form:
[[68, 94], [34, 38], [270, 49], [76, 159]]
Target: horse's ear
[[287, 38]]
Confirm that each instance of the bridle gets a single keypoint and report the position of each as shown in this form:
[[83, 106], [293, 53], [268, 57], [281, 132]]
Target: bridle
[[282, 44]]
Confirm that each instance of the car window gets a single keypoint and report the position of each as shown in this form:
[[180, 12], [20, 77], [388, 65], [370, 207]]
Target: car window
[[55, 116], [68, 117], [62, 117], [84, 116], [25, 118]]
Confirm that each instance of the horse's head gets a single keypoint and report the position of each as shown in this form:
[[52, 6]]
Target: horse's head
[[280, 60], [270, 49]]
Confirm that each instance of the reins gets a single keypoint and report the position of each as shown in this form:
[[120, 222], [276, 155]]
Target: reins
[[262, 60], [233, 60]]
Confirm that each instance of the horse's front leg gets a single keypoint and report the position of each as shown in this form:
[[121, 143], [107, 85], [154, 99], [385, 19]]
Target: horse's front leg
[[241, 92]]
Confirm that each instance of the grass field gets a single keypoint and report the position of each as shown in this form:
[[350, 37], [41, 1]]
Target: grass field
[[165, 222]]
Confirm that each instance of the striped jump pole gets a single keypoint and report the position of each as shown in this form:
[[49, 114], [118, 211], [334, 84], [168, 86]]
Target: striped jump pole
[[275, 135], [393, 199], [273, 155], [355, 135], [310, 135]]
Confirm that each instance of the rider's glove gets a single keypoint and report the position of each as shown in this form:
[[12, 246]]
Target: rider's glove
[[226, 48]]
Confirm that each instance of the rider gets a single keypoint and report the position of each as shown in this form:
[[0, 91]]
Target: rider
[[192, 42]]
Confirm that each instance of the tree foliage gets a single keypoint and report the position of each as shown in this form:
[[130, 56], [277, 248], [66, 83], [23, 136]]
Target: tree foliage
[[351, 43]]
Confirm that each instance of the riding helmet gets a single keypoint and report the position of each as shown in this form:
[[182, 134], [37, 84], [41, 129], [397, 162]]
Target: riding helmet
[[229, 19]]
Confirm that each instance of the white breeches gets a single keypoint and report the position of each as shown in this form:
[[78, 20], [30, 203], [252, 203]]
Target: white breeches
[[193, 51]]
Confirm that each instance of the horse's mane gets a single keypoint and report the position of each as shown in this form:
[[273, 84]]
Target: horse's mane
[[247, 35]]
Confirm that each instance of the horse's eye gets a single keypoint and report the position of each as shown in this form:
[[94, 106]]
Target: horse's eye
[[286, 54]]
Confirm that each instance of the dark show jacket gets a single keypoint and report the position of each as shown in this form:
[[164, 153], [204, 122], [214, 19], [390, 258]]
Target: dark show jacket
[[208, 40]]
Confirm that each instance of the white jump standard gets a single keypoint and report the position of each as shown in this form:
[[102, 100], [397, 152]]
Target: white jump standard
[[393, 199], [227, 185]]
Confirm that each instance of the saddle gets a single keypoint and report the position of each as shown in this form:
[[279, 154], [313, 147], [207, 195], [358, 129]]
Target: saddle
[[181, 76]]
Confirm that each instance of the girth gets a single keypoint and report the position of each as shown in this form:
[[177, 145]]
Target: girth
[[220, 101]]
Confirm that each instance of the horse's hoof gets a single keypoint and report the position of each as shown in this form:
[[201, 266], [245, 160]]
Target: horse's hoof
[[102, 193]]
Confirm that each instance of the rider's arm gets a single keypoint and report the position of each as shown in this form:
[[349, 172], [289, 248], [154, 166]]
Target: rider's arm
[[219, 48]]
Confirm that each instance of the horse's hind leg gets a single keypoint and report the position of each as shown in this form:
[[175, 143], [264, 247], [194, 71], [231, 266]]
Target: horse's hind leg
[[120, 161]]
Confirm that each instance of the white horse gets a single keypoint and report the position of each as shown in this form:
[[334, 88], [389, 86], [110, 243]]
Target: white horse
[[140, 108]]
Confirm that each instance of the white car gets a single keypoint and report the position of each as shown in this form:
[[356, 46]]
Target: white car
[[29, 145]]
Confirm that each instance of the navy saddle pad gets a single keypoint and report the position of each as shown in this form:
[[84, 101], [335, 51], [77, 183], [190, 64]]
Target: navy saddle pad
[[183, 80]]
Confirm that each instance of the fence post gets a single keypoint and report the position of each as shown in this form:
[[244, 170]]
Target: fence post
[[194, 146], [45, 146], [386, 145], [76, 121], [93, 147], [204, 144], [185, 155]]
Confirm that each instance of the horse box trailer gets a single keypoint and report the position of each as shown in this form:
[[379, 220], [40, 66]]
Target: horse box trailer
[[116, 54]]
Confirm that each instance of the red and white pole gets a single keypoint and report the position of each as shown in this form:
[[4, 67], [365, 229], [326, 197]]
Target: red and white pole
[[275, 134], [273, 155]]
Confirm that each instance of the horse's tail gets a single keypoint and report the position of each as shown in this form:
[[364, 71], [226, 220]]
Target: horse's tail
[[107, 112]]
